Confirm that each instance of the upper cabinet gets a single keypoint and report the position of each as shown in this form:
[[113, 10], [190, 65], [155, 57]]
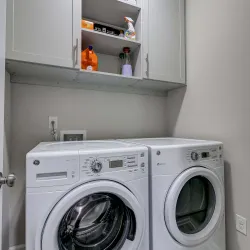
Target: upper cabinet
[[45, 32], [164, 40]]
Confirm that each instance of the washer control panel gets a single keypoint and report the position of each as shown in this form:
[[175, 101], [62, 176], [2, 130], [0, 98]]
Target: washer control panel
[[97, 165]]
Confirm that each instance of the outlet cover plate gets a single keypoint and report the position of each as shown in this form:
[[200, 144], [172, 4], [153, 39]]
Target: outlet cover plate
[[241, 224]]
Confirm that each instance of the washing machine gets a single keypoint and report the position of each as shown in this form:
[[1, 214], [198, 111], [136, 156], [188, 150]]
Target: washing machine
[[186, 194], [87, 195]]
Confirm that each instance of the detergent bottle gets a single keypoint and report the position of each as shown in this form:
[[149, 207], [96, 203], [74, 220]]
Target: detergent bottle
[[89, 59]]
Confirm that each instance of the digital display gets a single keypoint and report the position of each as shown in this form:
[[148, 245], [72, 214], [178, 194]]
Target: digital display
[[205, 155], [116, 164]]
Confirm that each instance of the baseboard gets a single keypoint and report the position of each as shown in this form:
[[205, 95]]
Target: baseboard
[[19, 247]]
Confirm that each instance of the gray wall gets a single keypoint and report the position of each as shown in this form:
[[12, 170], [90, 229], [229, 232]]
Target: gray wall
[[216, 104], [104, 115]]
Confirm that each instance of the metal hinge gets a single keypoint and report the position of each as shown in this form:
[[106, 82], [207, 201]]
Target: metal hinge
[[76, 53]]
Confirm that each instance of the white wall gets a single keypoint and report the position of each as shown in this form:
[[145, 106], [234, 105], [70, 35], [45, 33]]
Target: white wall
[[216, 104], [104, 115]]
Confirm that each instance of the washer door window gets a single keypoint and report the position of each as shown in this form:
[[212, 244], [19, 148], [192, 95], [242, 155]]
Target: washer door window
[[194, 206], [98, 221], [97, 215]]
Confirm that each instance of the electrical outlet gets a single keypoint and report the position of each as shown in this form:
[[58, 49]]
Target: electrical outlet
[[55, 119], [241, 224]]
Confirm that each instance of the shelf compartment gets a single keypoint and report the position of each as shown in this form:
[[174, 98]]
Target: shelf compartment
[[109, 11], [106, 44]]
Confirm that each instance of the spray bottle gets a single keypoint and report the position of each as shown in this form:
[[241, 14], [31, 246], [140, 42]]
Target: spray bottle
[[130, 32]]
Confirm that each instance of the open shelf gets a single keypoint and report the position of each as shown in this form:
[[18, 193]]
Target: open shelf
[[110, 76], [107, 44], [109, 11], [38, 74]]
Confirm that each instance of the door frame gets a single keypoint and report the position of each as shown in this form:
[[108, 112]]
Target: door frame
[[4, 244]]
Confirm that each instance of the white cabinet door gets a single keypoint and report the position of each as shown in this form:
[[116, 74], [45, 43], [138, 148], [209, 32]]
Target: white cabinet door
[[44, 31], [165, 40]]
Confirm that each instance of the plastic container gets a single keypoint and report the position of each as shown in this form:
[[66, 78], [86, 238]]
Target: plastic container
[[130, 32], [87, 25], [126, 66], [89, 59]]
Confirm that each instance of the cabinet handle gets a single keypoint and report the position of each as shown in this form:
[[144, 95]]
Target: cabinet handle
[[147, 71], [76, 53]]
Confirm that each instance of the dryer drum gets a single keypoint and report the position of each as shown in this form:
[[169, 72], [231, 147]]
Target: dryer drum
[[97, 222], [195, 205]]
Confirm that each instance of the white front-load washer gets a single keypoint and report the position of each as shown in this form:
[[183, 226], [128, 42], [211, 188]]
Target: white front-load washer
[[186, 194], [87, 196]]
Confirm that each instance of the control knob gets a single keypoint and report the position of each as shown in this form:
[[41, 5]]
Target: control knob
[[194, 156], [96, 166]]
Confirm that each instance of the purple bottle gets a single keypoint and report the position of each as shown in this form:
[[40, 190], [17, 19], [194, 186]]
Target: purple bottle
[[127, 67]]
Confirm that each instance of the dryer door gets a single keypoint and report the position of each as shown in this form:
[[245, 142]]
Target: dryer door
[[96, 215], [194, 206]]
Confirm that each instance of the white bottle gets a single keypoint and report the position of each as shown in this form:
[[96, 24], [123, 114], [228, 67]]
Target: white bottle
[[130, 1], [130, 32]]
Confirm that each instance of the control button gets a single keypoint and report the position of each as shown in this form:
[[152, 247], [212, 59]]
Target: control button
[[131, 158], [158, 152], [194, 156], [143, 165], [132, 166], [142, 154], [96, 166]]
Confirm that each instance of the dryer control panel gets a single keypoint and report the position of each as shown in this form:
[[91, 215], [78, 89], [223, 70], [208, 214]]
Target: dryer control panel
[[212, 154]]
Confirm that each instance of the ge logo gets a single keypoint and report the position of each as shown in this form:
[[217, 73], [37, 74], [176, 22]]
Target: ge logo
[[36, 162]]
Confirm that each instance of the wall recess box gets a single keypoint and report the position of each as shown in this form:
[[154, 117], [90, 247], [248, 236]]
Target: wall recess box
[[73, 135]]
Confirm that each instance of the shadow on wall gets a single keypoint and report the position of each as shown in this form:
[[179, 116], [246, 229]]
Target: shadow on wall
[[176, 98], [17, 233], [230, 213]]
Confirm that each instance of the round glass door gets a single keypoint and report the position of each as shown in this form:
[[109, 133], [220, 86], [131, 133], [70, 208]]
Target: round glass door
[[98, 221], [194, 206], [99, 215]]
